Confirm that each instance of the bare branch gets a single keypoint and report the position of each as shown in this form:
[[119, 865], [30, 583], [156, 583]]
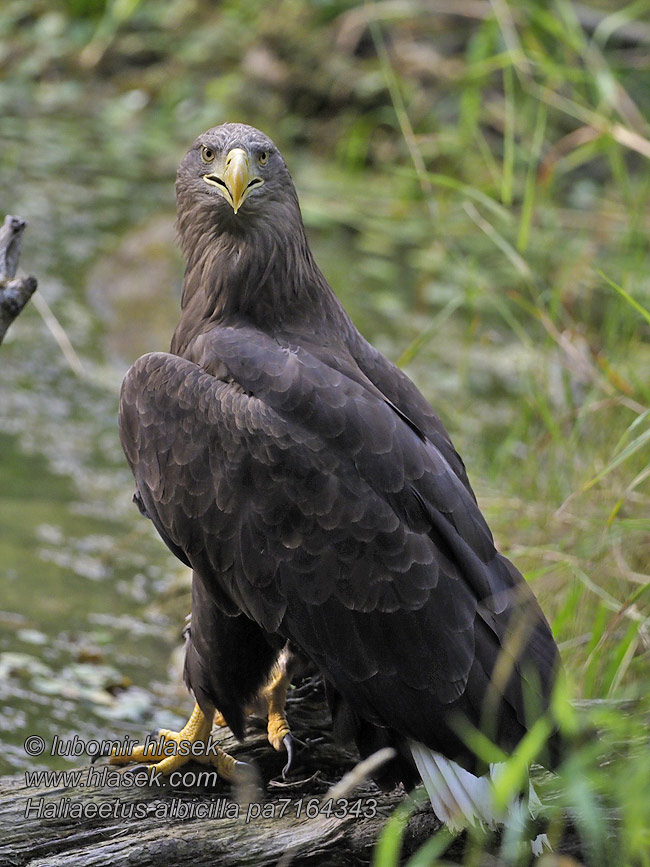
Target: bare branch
[[14, 293]]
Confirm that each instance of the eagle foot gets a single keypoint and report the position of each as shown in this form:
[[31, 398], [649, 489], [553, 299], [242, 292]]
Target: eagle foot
[[169, 750]]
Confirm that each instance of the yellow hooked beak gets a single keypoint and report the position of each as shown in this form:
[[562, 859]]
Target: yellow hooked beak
[[236, 180]]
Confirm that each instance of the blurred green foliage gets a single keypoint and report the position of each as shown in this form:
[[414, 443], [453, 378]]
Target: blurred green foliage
[[474, 178]]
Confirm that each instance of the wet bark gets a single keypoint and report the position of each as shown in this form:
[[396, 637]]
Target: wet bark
[[105, 818]]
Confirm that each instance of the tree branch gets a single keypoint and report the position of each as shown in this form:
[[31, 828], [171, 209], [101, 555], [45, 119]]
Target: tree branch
[[14, 293]]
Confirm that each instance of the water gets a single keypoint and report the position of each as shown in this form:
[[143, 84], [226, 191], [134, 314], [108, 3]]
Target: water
[[90, 610]]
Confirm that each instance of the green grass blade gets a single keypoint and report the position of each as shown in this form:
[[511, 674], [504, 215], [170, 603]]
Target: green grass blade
[[507, 180], [436, 323], [630, 300], [627, 452], [428, 854], [518, 262], [531, 180], [387, 851]]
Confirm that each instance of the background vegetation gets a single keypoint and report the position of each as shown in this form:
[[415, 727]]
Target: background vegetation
[[474, 177]]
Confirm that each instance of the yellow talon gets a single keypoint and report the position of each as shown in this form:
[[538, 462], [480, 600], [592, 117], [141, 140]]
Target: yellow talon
[[171, 750], [270, 702], [275, 696]]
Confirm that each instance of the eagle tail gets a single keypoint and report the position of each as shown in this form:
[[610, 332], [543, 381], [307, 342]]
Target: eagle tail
[[459, 798]]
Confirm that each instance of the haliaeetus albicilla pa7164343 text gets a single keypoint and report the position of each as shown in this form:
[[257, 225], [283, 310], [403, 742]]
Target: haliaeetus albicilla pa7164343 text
[[320, 503]]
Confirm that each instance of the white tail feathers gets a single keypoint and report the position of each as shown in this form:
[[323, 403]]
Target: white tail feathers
[[459, 798]]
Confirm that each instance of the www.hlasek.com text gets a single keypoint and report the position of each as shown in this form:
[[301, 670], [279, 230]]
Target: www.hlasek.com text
[[111, 778]]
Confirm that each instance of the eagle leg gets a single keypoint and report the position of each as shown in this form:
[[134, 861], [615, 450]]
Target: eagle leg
[[270, 703], [274, 695], [172, 750]]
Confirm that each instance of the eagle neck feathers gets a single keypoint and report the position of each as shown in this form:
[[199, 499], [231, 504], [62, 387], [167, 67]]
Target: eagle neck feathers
[[262, 273]]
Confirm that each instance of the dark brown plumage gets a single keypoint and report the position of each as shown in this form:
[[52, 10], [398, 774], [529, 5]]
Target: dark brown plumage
[[314, 492]]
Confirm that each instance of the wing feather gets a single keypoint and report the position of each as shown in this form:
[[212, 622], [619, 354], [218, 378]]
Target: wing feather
[[334, 514]]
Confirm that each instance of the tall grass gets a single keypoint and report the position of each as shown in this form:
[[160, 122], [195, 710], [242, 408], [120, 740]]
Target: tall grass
[[541, 174]]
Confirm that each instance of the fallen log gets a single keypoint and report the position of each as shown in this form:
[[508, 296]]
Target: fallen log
[[101, 815], [96, 815]]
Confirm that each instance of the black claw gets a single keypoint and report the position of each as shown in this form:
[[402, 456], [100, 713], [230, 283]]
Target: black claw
[[288, 741]]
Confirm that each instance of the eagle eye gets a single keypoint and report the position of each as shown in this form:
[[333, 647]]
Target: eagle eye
[[207, 154], [263, 158]]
